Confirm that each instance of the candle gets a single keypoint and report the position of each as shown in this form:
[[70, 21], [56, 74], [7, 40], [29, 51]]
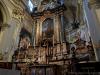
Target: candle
[[60, 38], [53, 40]]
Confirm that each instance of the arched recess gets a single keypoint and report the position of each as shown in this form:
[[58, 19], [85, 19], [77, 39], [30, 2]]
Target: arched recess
[[24, 38], [4, 16], [24, 33]]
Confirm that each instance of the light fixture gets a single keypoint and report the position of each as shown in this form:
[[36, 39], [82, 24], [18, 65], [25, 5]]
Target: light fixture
[[30, 4]]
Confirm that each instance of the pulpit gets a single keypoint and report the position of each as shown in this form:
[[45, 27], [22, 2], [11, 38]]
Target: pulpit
[[6, 68]]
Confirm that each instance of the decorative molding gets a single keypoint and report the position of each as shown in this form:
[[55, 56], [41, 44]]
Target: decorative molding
[[57, 10], [16, 3]]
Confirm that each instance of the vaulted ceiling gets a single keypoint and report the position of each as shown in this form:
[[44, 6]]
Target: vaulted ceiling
[[71, 6]]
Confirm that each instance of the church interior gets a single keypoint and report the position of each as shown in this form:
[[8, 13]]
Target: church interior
[[49, 37]]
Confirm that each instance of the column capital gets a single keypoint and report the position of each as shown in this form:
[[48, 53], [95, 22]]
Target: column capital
[[94, 3]]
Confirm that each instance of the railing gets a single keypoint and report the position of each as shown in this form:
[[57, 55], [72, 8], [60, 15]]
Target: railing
[[83, 73]]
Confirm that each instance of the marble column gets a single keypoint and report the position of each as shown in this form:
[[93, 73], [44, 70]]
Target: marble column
[[57, 28], [63, 39], [40, 31], [37, 32], [57, 32]]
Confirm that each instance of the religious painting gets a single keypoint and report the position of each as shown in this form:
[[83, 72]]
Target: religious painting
[[48, 28], [47, 31]]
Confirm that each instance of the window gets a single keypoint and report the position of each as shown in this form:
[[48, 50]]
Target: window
[[60, 1], [30, 5]]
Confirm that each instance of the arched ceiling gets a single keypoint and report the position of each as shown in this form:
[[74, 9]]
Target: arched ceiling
[[43, 4]]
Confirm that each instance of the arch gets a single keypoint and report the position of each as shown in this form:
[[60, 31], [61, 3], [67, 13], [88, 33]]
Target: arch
[[5, 12], [5, 16], [25, 38]]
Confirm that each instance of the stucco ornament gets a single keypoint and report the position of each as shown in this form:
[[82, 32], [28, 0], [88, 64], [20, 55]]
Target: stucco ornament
[[18, 14]]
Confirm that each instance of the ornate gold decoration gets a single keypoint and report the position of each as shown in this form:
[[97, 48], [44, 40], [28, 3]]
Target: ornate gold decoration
[[18, 14]]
